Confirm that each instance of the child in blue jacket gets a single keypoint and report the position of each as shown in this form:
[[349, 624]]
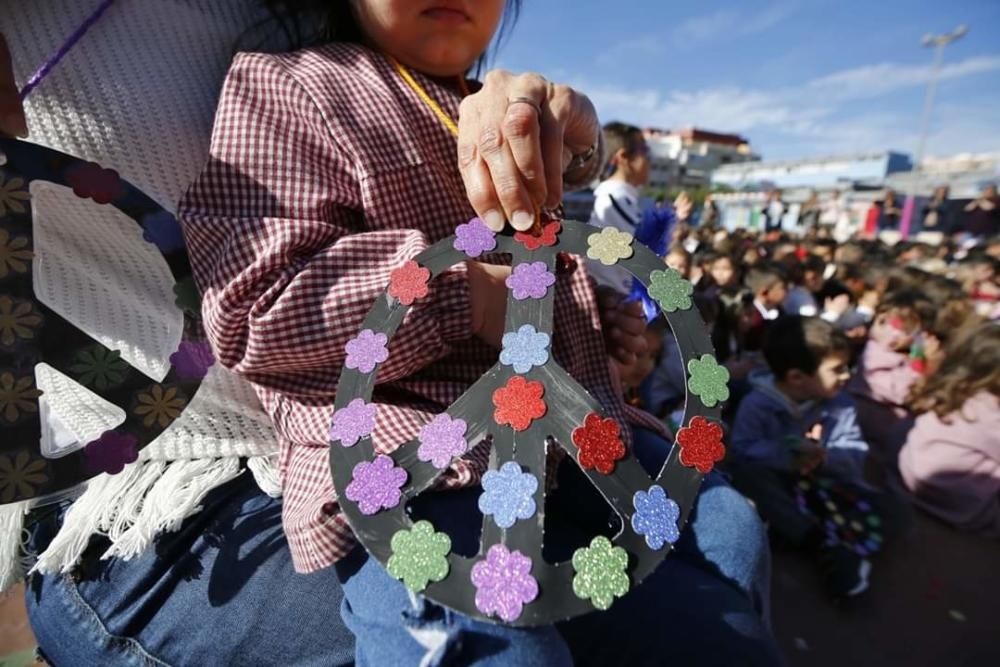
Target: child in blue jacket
[[797, 427]]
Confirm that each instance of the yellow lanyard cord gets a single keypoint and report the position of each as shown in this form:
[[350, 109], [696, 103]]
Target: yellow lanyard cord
[[428, 100]]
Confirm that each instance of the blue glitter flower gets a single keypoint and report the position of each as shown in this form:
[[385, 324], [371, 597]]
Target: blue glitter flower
[[525, 349], [655, 517], [508, 494]]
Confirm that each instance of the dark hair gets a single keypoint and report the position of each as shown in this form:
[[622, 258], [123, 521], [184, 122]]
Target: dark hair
[[801, 343], [334, 22], [912, 301], [831, 290], [618, 136], [763, 277], [971, 365]]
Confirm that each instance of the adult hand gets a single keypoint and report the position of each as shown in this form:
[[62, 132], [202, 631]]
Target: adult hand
[[516, 137], [12, 123]]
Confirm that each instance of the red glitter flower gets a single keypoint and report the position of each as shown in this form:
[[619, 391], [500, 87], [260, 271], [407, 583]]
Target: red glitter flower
[[701, 444], [600, 443], [546, 238], [518, 403], [91, 181], [409, 282]]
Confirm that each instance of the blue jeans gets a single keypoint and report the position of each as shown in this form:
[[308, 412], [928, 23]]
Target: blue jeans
[[221, 591]]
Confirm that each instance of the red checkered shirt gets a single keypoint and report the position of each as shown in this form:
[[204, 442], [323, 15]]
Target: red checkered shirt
[[326, 172]]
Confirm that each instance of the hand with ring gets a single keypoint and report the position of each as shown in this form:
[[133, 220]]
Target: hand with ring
[[516, 138]]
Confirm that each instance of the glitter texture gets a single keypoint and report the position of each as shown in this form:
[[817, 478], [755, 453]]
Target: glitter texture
[[600, 572], [655, 517], [530, 280], [375, 484], [609, 245], [366, 351], [600, 444], [701, 444], [525, 348], [518, 403], [441, 440], [508, 494], [474, 238], [409, 282], [503, 583], [419, 556], [352, 422], [709, 381]]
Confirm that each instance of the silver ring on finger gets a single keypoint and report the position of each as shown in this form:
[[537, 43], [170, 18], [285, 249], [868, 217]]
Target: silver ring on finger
[[526, 100]]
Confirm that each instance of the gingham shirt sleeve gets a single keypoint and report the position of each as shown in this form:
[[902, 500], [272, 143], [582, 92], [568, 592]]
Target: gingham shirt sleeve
[[281, 252]]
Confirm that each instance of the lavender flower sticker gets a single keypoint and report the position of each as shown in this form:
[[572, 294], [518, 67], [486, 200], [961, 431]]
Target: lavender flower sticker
[[366, 351], [352, 422], [530, 280], [503, 583], [111, 452], [375, 484], [441, 440], [525, 348], [474, 238]]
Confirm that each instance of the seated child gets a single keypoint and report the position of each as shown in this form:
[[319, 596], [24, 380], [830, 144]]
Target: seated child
[[885, 372], [768, 289], [797, 425], [950, 460]]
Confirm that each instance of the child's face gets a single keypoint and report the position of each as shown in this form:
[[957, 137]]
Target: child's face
[[895, 329], [829, 379], [636, 162], [723, 272], [679, 263], [437, 37], [813, 281]]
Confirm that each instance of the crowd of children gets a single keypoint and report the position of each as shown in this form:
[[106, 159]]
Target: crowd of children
[[864, 378]]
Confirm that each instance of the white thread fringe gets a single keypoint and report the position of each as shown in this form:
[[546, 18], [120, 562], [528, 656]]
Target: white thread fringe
[[11, 524]]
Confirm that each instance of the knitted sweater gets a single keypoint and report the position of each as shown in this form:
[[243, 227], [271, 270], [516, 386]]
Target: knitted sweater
[[137, 94]]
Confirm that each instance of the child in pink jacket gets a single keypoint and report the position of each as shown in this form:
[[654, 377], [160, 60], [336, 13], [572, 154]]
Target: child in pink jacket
[[951, 457]]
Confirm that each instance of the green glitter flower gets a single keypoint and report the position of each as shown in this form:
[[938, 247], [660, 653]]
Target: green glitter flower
[[670, 290], [709, 380], [99, 368], [609, 245], [419, 556], [600, 572]]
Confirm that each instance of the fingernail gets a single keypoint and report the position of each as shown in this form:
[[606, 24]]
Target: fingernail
[[493, 220], [522, 220]]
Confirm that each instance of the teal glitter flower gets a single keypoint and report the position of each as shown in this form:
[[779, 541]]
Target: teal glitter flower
[[600, 572], [670, 290], [709, 381], [419, 556]]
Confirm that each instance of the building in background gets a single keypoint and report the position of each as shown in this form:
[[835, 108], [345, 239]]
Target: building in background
[[687, 157], [847, 172], [964, 174]]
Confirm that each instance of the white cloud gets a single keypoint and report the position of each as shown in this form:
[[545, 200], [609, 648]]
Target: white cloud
[[730, 22], [819, 115]]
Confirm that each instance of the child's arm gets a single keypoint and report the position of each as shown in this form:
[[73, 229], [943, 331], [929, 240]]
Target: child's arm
[[757, 437], [846, 446], [279, 246]]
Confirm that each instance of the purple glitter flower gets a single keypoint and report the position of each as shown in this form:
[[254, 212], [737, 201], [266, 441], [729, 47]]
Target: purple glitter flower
[[352, 422], [474, 238], [375, 484], [366, 351], [110, 452], [530, 280], [192, 360], [441, 440], [503, 583]]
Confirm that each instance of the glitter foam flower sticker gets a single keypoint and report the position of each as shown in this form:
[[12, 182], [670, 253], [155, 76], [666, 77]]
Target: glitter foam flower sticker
[[419, 556], [351, 423], [504, 583], [518, 403], [12, 193], [474, 238], [375, 485], [111, 452], [670, 290], [508, 494], [600, 572], [366, 350], [701, 444], [609, 245], [655, 517], [409, 282], [441, 440], [160, 405], [525, 348], [15, 253], [18, 396], [709, 381], [600, 443], [99, 368], [530, 280], [19, 475]]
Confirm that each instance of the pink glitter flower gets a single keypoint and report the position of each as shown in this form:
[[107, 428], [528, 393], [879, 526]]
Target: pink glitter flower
[[366, 351], [503, 583]]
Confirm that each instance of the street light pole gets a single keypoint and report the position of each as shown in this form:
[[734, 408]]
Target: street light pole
[[938, 42]]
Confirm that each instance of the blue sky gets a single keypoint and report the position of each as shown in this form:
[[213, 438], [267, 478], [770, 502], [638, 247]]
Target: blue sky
[[797, 77]]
